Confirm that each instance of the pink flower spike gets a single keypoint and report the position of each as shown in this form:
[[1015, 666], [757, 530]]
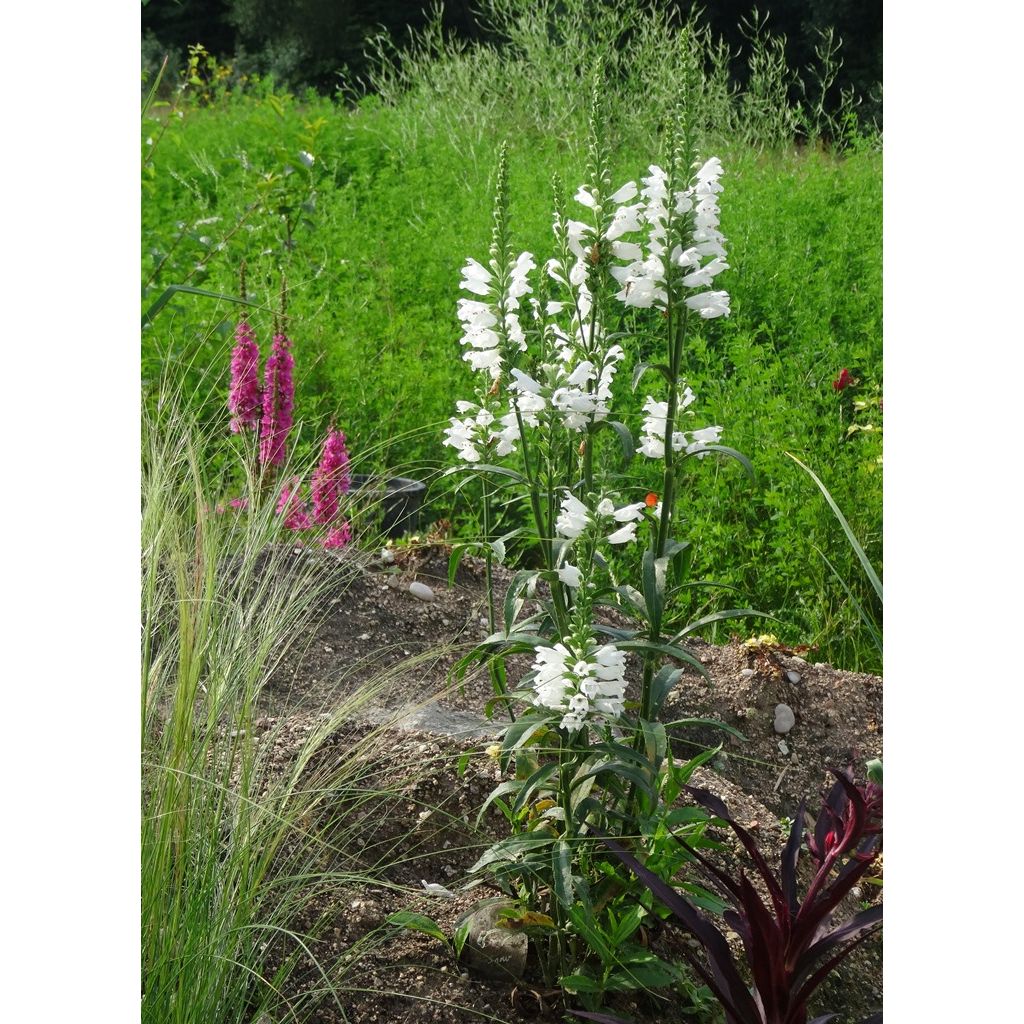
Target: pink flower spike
[[245, 399], [278, 402], [338, 537], [292, 507], [330, 479]]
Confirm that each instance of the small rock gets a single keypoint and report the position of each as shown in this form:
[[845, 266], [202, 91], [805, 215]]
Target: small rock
[[746, 673], [783, 747], [364, 636], [793, 676], [784, 719], [387, 556], [493, 952], [421, 590]]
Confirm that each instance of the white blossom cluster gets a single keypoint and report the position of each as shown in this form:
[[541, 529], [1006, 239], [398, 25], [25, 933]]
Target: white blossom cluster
[[652, 442], [644, 280], [575, 518], [591, 687], [481, 318]]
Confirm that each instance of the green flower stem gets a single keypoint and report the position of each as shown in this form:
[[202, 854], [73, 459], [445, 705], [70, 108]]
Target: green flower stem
[[497, 682]]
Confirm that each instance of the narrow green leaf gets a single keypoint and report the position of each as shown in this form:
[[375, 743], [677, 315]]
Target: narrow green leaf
[[721, 616], [175, 289], [731, 453], [854, 543], [418, 923], [540, 776], [561, 874]]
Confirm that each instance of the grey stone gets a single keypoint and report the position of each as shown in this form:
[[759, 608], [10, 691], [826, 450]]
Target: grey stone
[[783, 747], [793, 676], [784, 719], [746, 673], [491, 951], [421, 590]]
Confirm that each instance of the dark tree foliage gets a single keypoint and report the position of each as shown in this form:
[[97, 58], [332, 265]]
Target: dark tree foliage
[[308, 42], [857, 22]]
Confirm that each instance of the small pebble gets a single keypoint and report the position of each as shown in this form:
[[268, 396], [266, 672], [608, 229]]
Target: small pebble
[[784, 719], [421, 590], [783, 747], [793, 676], [746, 673], [387, 556]]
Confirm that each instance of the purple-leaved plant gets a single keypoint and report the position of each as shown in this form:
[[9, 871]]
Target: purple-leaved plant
[[278, 402], [793, 946], [245, 400]]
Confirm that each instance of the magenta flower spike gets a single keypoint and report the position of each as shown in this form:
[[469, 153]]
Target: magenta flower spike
[[245, 399], [331, 479], [293, 507], [339, 536], [278, 402]]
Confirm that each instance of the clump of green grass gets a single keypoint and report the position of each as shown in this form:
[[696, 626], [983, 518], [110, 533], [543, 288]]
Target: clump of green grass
[[231, 853]]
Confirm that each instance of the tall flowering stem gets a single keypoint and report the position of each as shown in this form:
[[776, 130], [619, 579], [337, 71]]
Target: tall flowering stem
[[331, 478], [245, 400], [278, 403]]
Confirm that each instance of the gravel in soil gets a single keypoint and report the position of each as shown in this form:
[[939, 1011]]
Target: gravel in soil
[[375, 632]]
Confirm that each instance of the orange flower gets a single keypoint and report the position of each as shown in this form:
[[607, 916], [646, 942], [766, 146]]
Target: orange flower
[[651, 500]]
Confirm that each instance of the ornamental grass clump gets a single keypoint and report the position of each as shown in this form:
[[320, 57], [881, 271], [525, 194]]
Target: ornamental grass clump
[[233, 858], [548, 338]]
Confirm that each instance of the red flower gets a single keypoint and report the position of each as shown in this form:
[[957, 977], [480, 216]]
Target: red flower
[[843, 380], [651, 500]]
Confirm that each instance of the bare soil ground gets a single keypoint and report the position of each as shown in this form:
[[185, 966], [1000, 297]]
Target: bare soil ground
[[375, 632]]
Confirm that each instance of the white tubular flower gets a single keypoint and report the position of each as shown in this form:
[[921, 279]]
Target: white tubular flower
[[489, 359], [700, 439], [709, 304], [652, 447], [554, 270], [630, 513], [476, 314], [574, 518], [709, 174], [703, 277], [519, 284], [624, 194], [585, 198], [624, 535], [468, 435], [475, 278], [575, 232], [570, 575], [624, 220], [627, 251], [508, 435], [551, 683], [607, 690]]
